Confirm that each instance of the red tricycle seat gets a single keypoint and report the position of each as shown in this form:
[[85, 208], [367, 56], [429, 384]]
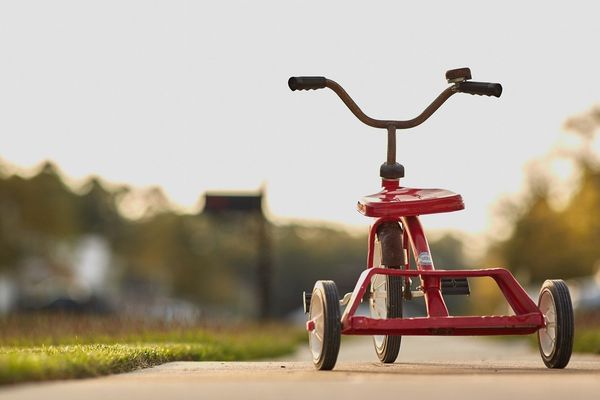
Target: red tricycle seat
[[403, 202]]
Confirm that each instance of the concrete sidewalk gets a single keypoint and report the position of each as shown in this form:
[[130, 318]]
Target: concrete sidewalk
[[446, 367]]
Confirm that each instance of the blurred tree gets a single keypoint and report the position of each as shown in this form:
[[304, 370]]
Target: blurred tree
[[448, 252], [304, 255], [37, 215], [44, 204], [98, 209], [559, 243]]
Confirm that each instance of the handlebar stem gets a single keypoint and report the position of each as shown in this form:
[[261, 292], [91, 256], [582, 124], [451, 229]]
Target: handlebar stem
[[390, 169], [391, 145]]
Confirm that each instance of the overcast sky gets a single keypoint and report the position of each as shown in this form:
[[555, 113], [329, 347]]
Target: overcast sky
[[192, 96]]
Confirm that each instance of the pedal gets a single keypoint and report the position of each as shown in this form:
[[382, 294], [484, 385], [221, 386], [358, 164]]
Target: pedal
[[346, 299], [455, 286], [306, 301]]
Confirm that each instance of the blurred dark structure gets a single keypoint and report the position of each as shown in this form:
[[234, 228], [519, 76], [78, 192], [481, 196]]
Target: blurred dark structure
[[251, 204], [218, 204]]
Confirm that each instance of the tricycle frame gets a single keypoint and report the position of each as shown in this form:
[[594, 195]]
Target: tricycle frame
[[527, 319]]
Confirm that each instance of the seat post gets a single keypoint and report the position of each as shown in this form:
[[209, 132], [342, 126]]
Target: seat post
[[391, 169]]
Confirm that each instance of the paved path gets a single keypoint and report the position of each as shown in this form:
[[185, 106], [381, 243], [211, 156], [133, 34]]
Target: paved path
[[452, 368]]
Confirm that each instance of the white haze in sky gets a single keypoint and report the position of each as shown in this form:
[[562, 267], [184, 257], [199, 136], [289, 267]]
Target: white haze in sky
[[193, 96]]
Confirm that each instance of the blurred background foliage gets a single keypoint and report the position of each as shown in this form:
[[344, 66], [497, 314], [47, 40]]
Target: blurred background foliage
[[559, 241], [208, 261], [120, 249]]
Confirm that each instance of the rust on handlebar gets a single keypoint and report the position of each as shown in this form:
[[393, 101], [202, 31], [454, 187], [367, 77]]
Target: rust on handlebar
[[386, 124]]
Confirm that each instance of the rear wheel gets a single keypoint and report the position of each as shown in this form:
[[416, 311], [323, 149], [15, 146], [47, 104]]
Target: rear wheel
[[325, 329], [386, 291], [556, 338]]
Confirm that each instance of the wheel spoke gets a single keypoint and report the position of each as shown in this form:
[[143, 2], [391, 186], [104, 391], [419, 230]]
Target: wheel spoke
[[376, 310], [318, 336], [380, 309], [375, 287]]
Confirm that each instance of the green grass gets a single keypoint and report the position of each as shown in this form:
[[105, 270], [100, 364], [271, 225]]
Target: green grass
[[587, 340], [51, 347]]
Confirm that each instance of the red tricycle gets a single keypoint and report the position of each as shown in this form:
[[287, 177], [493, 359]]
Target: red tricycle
[[386, 282]]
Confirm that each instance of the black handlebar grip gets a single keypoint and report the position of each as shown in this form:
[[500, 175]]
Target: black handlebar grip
[[480, 88], [307, 82]]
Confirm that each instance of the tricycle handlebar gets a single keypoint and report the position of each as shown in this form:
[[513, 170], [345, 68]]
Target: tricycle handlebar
[[318, 82]]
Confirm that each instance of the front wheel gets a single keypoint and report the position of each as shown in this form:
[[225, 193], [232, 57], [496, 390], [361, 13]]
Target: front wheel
[[386, 291], [386, 302], [556, 338], [324, 325]]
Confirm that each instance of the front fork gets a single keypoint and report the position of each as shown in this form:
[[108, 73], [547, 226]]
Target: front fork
[[415, 236]]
